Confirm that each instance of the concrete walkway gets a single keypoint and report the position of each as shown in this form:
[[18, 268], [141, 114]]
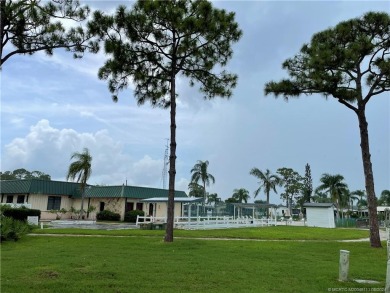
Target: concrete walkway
[[383, 236], [123, 226], [93, 225], [382, 233]]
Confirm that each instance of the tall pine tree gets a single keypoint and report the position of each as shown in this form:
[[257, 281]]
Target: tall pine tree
[[350, 63], [156, 42]]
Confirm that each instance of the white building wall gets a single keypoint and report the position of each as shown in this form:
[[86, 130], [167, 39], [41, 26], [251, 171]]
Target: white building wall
[[39, 202], [320, 217], [161, 209]]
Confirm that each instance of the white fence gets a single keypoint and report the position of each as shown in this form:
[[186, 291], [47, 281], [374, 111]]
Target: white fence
[[196, 223]]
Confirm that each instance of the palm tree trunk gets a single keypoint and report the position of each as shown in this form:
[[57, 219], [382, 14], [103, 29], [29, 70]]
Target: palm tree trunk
[[204, 197], [82, 201], [369, 177], [82, 206], [267, 203]]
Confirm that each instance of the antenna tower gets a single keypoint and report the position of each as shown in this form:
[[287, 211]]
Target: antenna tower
[[165, 167]]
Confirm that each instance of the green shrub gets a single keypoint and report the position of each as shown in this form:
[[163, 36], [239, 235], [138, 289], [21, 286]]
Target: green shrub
[[12, 229], [107, 215], [295, 218], [59, 213], [20, 214], [4, 207], [131, 216]]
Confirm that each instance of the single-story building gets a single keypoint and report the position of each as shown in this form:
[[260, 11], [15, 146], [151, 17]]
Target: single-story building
[[50, 196], [320, 215], [282, 211], [158, 205]]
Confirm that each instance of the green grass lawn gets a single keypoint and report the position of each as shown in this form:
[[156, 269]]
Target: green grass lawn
[[147, 264], [265, 233]]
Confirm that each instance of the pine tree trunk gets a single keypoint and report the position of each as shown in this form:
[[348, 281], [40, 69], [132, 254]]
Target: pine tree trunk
[[172, 171], [369, 178], [172, 165]]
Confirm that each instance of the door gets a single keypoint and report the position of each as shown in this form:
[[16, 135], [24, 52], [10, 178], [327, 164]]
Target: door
[[151, 206]]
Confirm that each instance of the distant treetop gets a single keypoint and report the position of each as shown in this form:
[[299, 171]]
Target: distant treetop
[[22, 173]]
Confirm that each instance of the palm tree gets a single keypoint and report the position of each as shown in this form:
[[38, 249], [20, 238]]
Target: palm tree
[[321, 197], [267, 182], [212, 198], [346, 200], [80, 169], [350, 198], [361, 198], [241, 195], [385, 198], [195, 190], [199, 172], [334, 186]]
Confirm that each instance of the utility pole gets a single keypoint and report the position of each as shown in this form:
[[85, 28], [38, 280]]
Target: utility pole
[[165, 167]]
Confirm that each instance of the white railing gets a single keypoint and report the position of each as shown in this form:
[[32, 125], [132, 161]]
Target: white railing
[[17, 205], [209, 222], [223, 222], [150, 219]]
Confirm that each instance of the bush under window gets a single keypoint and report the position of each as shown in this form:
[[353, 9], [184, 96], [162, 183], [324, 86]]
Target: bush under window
[[107, 215], [131, 216]]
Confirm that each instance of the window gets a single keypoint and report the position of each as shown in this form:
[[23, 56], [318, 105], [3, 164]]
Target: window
[[101, 206], [140, 205], [54, 203], [20, 199], [129, 206], [10, 198]]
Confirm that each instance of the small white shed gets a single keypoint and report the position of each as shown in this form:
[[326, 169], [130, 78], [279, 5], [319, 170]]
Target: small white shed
[[320, 215]]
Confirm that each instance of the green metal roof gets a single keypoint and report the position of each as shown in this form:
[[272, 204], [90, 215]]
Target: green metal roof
[[38, 186], [15, 186], [129, 192]]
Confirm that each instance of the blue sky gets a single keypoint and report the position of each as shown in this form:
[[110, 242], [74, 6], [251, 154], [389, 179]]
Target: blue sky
[[54, 106]]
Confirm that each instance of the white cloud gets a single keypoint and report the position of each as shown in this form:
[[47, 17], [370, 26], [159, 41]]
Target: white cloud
[[88, 65], [182, 184], [48, 149], [17, 122], [147, 170]]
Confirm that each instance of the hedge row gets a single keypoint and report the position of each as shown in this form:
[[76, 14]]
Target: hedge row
[[20, 214]]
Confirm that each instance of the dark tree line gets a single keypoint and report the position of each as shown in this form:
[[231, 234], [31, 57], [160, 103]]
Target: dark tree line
[[21, 173]]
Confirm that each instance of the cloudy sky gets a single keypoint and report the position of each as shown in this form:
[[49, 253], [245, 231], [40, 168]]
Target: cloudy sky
[[54, 106]]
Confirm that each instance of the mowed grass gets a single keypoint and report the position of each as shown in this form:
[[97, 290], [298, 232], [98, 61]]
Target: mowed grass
[[261, 233], [147, 264]]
